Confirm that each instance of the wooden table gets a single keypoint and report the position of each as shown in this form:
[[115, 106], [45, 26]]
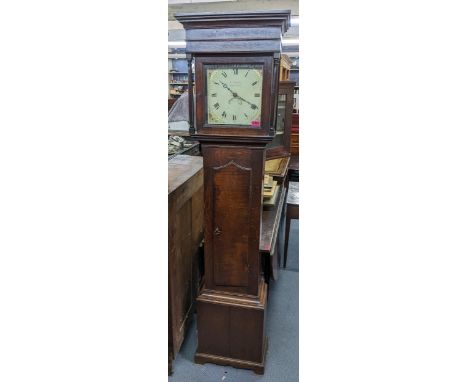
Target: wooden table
[[292, 212], [271, 236], [273, 222]]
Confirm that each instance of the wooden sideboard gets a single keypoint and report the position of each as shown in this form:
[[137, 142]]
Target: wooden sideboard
[[185, 199]]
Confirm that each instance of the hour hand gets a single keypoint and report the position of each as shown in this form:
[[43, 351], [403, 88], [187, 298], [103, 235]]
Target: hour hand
[[227, 87]]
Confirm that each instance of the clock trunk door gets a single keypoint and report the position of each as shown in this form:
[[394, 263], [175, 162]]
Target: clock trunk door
[[232, 233]]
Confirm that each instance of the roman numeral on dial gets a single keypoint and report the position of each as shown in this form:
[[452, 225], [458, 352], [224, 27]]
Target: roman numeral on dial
[[216, 105], [234, 117], [224, 74], [224, 114], [236, 71], [254, 83]]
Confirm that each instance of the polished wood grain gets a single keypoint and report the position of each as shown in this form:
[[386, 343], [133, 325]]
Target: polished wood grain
[[233, 195], [231, 265]]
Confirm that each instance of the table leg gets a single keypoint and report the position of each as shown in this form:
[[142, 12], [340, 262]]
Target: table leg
[[286, 237]]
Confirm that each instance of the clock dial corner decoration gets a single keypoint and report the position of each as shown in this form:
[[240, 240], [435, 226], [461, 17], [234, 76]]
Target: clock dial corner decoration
[[234, 94]]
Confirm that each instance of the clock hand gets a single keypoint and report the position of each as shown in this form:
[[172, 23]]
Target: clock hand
[[250, 103], [235, 95], [228, 88]]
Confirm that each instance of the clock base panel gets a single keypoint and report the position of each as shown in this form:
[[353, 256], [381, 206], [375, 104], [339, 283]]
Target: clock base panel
[[257, 368], [231, 329]]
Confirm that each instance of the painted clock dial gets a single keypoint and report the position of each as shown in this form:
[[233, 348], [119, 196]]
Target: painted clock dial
[[234, 94]]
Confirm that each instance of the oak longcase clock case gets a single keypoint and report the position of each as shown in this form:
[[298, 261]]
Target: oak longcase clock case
[[233, 115]]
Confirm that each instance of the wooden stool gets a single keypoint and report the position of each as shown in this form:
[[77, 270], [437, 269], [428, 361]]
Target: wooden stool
[[292, 212]]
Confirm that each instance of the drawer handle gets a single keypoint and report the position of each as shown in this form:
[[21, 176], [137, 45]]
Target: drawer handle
[[217, 231]]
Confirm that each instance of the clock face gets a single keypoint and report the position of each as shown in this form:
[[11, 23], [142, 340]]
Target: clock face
[[234, 94]]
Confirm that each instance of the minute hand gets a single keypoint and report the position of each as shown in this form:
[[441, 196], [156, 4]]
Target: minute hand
[[235, 95], [250, 103]]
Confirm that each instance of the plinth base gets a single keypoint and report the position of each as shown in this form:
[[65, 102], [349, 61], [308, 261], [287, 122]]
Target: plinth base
[[257, 368], [231, 329]]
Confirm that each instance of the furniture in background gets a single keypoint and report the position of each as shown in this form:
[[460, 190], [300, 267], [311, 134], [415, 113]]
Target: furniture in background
[[295, 134], [182, 144], [185, 198], [294, 76], [170, 102], [280, 146], [292, 212], [177, 77], [278, 154], [293, 169], [294, 70], [272, 236], [296, 99], [179, 140], [285, 66]]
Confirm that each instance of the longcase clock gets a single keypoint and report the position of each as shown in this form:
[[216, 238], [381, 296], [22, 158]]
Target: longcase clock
[[233, 115]]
